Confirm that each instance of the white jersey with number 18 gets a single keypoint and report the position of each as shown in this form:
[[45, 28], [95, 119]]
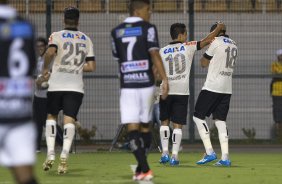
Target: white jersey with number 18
[[177, 58], [73, 49], [223, 53]]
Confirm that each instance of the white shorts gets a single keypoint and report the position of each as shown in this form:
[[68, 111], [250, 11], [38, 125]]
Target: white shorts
[[136, 105], [17, 144]]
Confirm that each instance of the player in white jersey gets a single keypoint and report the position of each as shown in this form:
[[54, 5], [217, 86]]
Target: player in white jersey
[[177, 58], [214, 98], [72, 54]]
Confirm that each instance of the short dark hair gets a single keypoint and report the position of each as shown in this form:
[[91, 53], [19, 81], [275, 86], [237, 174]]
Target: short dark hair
[[137, 4], [43, 40], [71, 15], [176, 29], [213, 27]]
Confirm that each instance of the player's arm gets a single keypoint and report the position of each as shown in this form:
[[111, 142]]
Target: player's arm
[[48, 57], [207, 40], [205, 60], [90, 62], [161, 71], [89, 66]]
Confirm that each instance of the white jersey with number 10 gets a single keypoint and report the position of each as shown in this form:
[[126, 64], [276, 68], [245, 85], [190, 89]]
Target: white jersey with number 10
[[224, 53], [177, 59]]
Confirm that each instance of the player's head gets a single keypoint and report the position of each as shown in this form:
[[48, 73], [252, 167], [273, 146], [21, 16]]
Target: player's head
[[41, 45], [279, 54], [140, 8], [71, 16], [178, 32], [3, 1], [221, 33]]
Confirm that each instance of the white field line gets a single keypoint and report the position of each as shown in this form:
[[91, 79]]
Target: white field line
[[133, 167]]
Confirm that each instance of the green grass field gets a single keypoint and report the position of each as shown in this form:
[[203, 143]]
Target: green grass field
[[107, 168]]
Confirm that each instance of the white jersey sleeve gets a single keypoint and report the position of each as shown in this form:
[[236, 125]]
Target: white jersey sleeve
[[73, 49], [223, 54], [177, 59]]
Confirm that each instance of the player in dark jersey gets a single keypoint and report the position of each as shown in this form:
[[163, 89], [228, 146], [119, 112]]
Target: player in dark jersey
[[136, 48], [17, 59]]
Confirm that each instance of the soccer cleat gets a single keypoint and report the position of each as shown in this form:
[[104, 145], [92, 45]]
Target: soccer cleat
[[164, 159], [47, 165], [134, 178], [63, 167], [207, 158], [174, 162], [226, 163], [145, 176]]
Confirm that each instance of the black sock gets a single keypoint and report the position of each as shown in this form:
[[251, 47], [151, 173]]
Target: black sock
[[147, 138], [137, 147]]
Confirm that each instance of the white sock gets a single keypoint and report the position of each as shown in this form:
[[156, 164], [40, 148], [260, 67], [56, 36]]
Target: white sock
[[69, 132], [223, 138], [164, 136], [204, 133], [50, 134], [176, 141]]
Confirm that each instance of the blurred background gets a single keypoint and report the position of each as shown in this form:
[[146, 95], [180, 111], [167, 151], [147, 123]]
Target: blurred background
[[256, 26]]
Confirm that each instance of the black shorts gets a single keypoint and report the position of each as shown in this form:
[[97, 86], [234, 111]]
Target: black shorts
[[213, 103], [68, 101], [174, 108], [277, 109]]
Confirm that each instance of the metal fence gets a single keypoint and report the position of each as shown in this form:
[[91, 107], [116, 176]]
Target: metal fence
[[256, 26]]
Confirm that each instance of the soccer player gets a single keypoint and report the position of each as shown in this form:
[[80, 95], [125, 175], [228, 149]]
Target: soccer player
[[136, 48], [214, 98], [17, 63], [177, 58], [72, 54], [40, 98]]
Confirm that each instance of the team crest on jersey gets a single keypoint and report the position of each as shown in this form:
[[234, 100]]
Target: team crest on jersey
[[129, 31], [174, 49], [74, 36], [132, 66]]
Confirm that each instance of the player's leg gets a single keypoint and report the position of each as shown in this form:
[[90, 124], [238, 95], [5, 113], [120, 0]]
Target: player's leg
[[146, 99], [71, 104], [53, 108], [164, 129], [179, 109], [40, 116], [176, 142], [204, 106], [24, 174], [220, 115], [18, 152]]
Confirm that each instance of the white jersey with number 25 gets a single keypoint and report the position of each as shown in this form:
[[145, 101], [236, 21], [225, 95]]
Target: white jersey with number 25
[[73, 47], [224, 54], [177, 59]]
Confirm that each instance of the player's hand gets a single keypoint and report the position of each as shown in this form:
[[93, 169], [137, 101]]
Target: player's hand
[[221, 25], [165, 89], [42, 80]]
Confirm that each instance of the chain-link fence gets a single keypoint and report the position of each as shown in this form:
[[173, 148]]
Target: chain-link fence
[[256, 26]]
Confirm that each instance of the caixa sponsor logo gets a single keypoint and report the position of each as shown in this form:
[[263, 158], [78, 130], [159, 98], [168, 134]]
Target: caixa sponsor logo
[[132, 66], [16, 87], [226, 40], [174, 49], [74, 36]]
